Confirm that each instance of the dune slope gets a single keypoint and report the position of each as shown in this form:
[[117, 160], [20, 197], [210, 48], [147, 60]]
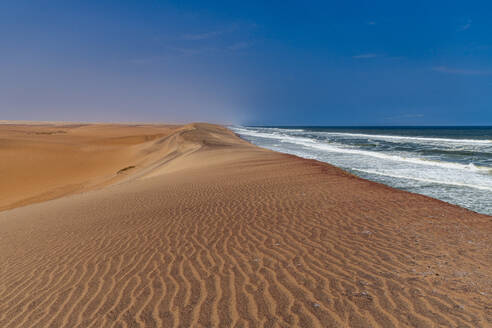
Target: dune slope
[[42, 161], [215, 232]]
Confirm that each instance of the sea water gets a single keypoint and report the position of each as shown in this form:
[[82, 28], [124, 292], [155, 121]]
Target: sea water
[[453, 164]]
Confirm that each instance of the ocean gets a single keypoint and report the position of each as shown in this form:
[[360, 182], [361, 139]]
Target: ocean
[[453, 164]]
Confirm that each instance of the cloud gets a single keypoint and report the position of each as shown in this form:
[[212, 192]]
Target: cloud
[[141, 61], [147, 60], [450, 70], [213, 34], [404, 117], [411, 115], [371, 23], [201, 36], [365, 56], [465, 26], [192, 51], [239, 46], [196, 51]]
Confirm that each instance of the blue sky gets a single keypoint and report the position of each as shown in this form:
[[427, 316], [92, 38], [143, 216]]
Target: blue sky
[[247, 62]]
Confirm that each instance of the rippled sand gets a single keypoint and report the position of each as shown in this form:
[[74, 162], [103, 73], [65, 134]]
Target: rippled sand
[[206, 230]]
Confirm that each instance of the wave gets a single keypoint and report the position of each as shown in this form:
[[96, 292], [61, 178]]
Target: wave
[[458, 184], [331, 148], [410, 139]]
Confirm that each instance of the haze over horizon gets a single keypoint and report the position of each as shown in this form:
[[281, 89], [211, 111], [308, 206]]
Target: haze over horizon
[[275, 63]]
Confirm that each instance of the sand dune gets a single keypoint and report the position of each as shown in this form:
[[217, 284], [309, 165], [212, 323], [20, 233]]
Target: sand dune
[[211, 231], [47, 160]]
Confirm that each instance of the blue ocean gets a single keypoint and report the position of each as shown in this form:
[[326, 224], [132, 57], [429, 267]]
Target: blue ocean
[[453, 164]]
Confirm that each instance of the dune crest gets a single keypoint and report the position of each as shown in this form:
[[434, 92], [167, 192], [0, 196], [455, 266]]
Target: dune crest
[[211, 231], [42, 161]]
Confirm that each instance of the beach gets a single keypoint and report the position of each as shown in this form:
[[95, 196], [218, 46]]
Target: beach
[[140, 225]]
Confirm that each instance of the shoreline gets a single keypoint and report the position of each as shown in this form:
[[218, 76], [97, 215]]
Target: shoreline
[[113, 179], [215, 231], [365, 179], [399, 160]]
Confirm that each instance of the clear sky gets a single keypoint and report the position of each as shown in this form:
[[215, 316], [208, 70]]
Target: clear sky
[[247, 62]]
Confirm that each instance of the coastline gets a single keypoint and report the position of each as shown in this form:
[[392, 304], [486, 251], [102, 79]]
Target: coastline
[[433, 162], [214, 231]]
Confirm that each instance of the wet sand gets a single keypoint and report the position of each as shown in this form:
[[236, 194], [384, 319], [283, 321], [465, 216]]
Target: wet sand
[[208, 230]]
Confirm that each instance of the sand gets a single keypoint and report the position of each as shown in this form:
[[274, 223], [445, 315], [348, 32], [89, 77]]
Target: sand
[[210, 231], [42, 161]]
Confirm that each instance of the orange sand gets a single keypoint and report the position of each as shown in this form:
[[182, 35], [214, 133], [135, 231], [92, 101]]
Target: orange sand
[[210, 231], [45, 161]]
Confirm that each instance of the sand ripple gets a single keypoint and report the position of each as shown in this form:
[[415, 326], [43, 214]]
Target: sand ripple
[[234, 236]]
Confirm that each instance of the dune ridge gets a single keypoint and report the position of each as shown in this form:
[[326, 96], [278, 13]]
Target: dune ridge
[[211, 231], [47, 160]]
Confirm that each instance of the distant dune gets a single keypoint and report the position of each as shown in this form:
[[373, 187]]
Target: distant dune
[[190, 226], [42, 161]]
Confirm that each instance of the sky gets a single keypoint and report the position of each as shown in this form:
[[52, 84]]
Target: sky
[[247, 62]]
